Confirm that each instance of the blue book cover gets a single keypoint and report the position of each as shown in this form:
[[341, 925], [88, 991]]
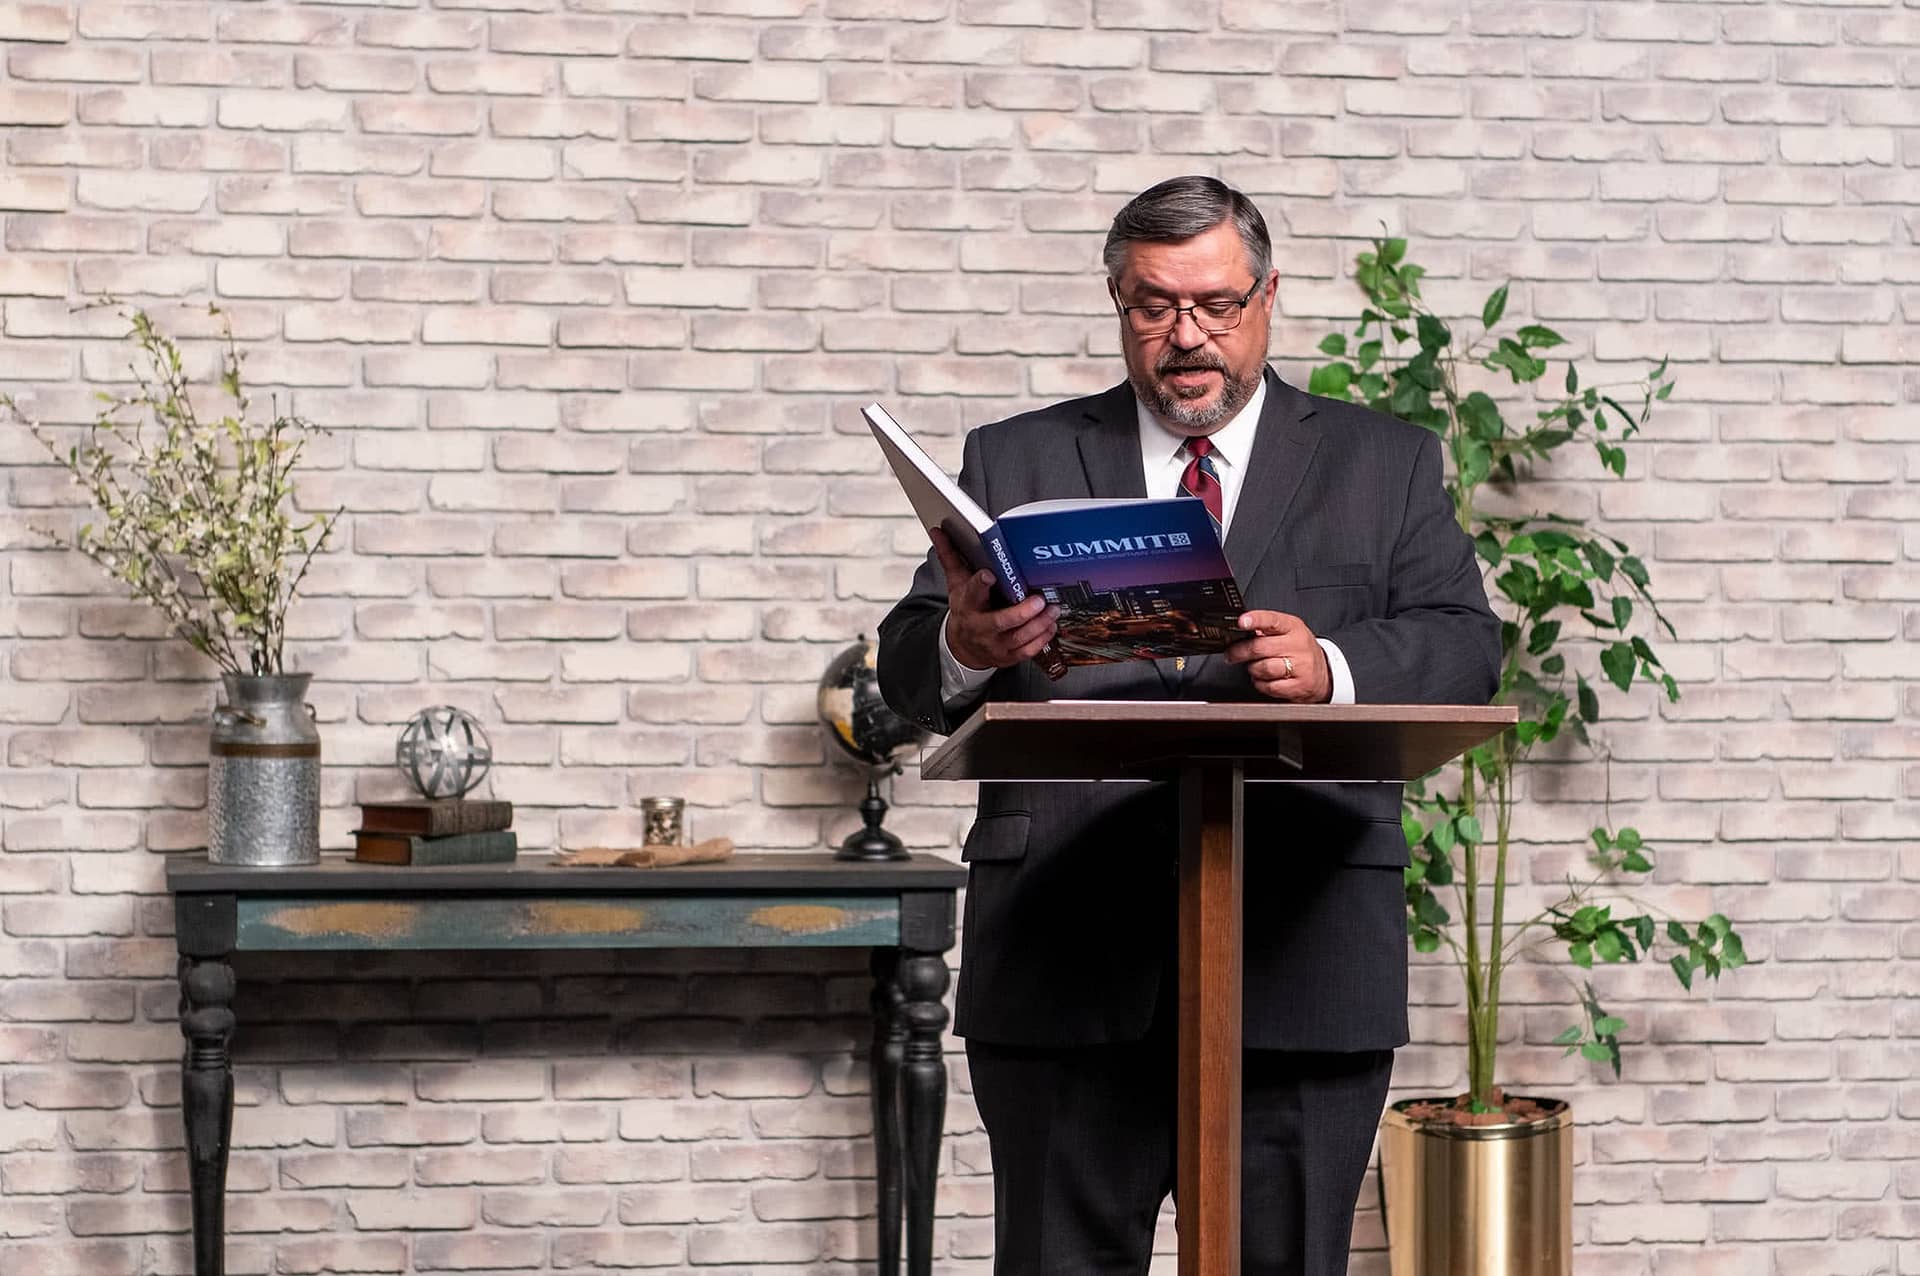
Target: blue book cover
[[1133, 579]]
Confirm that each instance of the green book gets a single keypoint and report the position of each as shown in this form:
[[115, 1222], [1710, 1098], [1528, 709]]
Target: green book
[[494, 847]]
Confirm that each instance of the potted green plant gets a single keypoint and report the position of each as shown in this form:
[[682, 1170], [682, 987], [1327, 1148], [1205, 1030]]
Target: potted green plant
[[195, 517], [1481, 1182]]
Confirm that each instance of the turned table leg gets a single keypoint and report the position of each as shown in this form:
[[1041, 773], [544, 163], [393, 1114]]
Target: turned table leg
[[889, 1053], [204, 926], [923, 981]]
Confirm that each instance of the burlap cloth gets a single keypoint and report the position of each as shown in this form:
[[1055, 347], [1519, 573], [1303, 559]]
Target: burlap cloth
[[707, 852]]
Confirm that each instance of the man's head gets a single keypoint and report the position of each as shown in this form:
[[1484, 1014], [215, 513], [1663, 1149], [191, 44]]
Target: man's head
[[1192, 242]]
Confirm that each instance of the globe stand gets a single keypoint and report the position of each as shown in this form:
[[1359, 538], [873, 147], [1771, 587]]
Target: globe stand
[[872, 843]]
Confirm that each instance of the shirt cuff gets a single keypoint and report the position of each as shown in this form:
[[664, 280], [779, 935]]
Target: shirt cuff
[[960, 683], [1336, 666]]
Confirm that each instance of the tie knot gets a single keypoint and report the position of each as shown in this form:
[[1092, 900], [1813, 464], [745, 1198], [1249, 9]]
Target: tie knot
[[1199, 446]]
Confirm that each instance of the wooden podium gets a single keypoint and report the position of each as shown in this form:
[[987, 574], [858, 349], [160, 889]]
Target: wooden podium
[[1210, 751]]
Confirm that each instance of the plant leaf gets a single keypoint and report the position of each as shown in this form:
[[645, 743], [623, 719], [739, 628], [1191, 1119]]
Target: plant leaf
[[1617, 661], [1495, 307], [1330, 379], [1589, 703]]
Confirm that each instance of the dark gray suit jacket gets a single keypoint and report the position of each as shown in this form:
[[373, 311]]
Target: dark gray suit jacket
[[1070, 916]]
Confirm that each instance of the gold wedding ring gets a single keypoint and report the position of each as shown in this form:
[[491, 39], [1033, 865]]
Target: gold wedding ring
[[1286, 666]]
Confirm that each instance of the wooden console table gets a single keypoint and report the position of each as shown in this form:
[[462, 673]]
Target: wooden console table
[[903, 911]]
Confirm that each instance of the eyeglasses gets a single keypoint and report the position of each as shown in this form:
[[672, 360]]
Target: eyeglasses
[[1156, 318]]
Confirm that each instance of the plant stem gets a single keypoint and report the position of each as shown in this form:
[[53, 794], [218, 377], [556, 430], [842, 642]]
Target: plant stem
[[1475, 969], [1490, 1008]]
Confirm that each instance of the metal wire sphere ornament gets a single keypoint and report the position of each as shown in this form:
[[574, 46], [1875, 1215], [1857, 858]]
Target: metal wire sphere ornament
[[443, 752]]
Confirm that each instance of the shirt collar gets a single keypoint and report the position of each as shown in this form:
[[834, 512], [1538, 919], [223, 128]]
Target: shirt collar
[[1232, 442]]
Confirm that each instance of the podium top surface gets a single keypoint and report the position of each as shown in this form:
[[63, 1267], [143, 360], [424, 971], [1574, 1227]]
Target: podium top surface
[[1151, 739]]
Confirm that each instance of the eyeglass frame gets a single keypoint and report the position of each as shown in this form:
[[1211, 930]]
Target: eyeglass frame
[[1191, 312]]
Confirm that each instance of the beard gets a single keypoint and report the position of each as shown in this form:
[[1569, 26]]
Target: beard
[[1183, 409]]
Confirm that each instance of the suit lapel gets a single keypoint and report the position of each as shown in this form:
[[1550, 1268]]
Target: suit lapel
[[1283, 449], [1109, 442]]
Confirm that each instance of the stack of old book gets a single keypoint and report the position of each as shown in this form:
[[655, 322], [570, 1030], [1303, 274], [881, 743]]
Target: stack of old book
[[435, 831]]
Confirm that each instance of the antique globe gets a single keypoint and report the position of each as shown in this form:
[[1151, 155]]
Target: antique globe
[[443, 752], [865, 729]]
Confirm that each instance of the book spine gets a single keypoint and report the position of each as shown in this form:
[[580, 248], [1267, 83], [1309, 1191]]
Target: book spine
[[468, 816], [1014, 586], [465, 848]]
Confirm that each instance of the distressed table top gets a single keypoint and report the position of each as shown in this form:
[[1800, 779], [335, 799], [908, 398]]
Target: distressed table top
[[537, 874]]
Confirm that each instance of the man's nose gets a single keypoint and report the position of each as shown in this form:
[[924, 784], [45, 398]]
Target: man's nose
[[1187, 333]]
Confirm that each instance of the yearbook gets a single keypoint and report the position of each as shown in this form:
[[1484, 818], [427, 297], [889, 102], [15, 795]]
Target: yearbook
[[1133, 579]]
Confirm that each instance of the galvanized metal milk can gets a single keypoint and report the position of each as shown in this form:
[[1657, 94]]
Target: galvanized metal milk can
[[263, 773]]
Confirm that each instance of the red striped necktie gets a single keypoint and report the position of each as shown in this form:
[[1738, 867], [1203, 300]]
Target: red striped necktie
[[1203, 481]]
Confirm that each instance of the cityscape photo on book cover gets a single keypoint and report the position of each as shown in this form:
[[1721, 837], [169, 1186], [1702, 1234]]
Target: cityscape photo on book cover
[[1133, 580]]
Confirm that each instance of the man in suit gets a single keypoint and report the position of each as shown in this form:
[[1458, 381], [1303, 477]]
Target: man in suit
[[1361, 587]]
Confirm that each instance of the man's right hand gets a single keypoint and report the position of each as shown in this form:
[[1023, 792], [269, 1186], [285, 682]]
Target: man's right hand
[[980, 635]]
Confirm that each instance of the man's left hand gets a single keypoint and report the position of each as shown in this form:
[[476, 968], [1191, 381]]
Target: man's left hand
[[1283, 658]]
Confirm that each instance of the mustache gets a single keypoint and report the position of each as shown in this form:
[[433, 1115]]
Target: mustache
[[1188, 363]]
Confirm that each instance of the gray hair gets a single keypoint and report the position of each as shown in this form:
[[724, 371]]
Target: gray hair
[[1180, 208]]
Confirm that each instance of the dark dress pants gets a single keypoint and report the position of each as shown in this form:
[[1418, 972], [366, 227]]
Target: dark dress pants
[[1083, 1145]]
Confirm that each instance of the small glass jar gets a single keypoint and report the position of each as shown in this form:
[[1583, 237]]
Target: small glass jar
[[665, 820]]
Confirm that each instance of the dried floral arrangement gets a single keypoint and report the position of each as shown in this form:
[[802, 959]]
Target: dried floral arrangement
[[194, 516]]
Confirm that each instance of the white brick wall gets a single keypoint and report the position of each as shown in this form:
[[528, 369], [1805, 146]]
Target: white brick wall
[[588, 297]]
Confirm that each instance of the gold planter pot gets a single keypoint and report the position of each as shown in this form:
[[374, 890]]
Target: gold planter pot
[[1491, 1200]]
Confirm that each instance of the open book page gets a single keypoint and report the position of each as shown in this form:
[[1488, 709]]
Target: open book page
[[939, 502], [936, 499], [1071, 504]]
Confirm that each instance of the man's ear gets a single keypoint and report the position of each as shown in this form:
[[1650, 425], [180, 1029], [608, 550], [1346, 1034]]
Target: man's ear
[[1272, 290]]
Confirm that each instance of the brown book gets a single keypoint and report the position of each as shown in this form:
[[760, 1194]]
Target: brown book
[[437, 817], [494, 847]]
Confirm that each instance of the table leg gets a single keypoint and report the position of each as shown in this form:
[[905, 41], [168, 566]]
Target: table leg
[[206, 1101], [1208, 1186], [889, 1052], [923, 982], [204, 930]]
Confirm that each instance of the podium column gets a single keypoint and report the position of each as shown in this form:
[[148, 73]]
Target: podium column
[[1207, 1189]]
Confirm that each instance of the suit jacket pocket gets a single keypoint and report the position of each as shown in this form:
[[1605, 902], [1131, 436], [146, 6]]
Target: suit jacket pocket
[[1001, 836], [1326, 575], [1382, 844]]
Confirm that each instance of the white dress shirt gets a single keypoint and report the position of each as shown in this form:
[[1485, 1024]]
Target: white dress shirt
[[1163, 459]]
